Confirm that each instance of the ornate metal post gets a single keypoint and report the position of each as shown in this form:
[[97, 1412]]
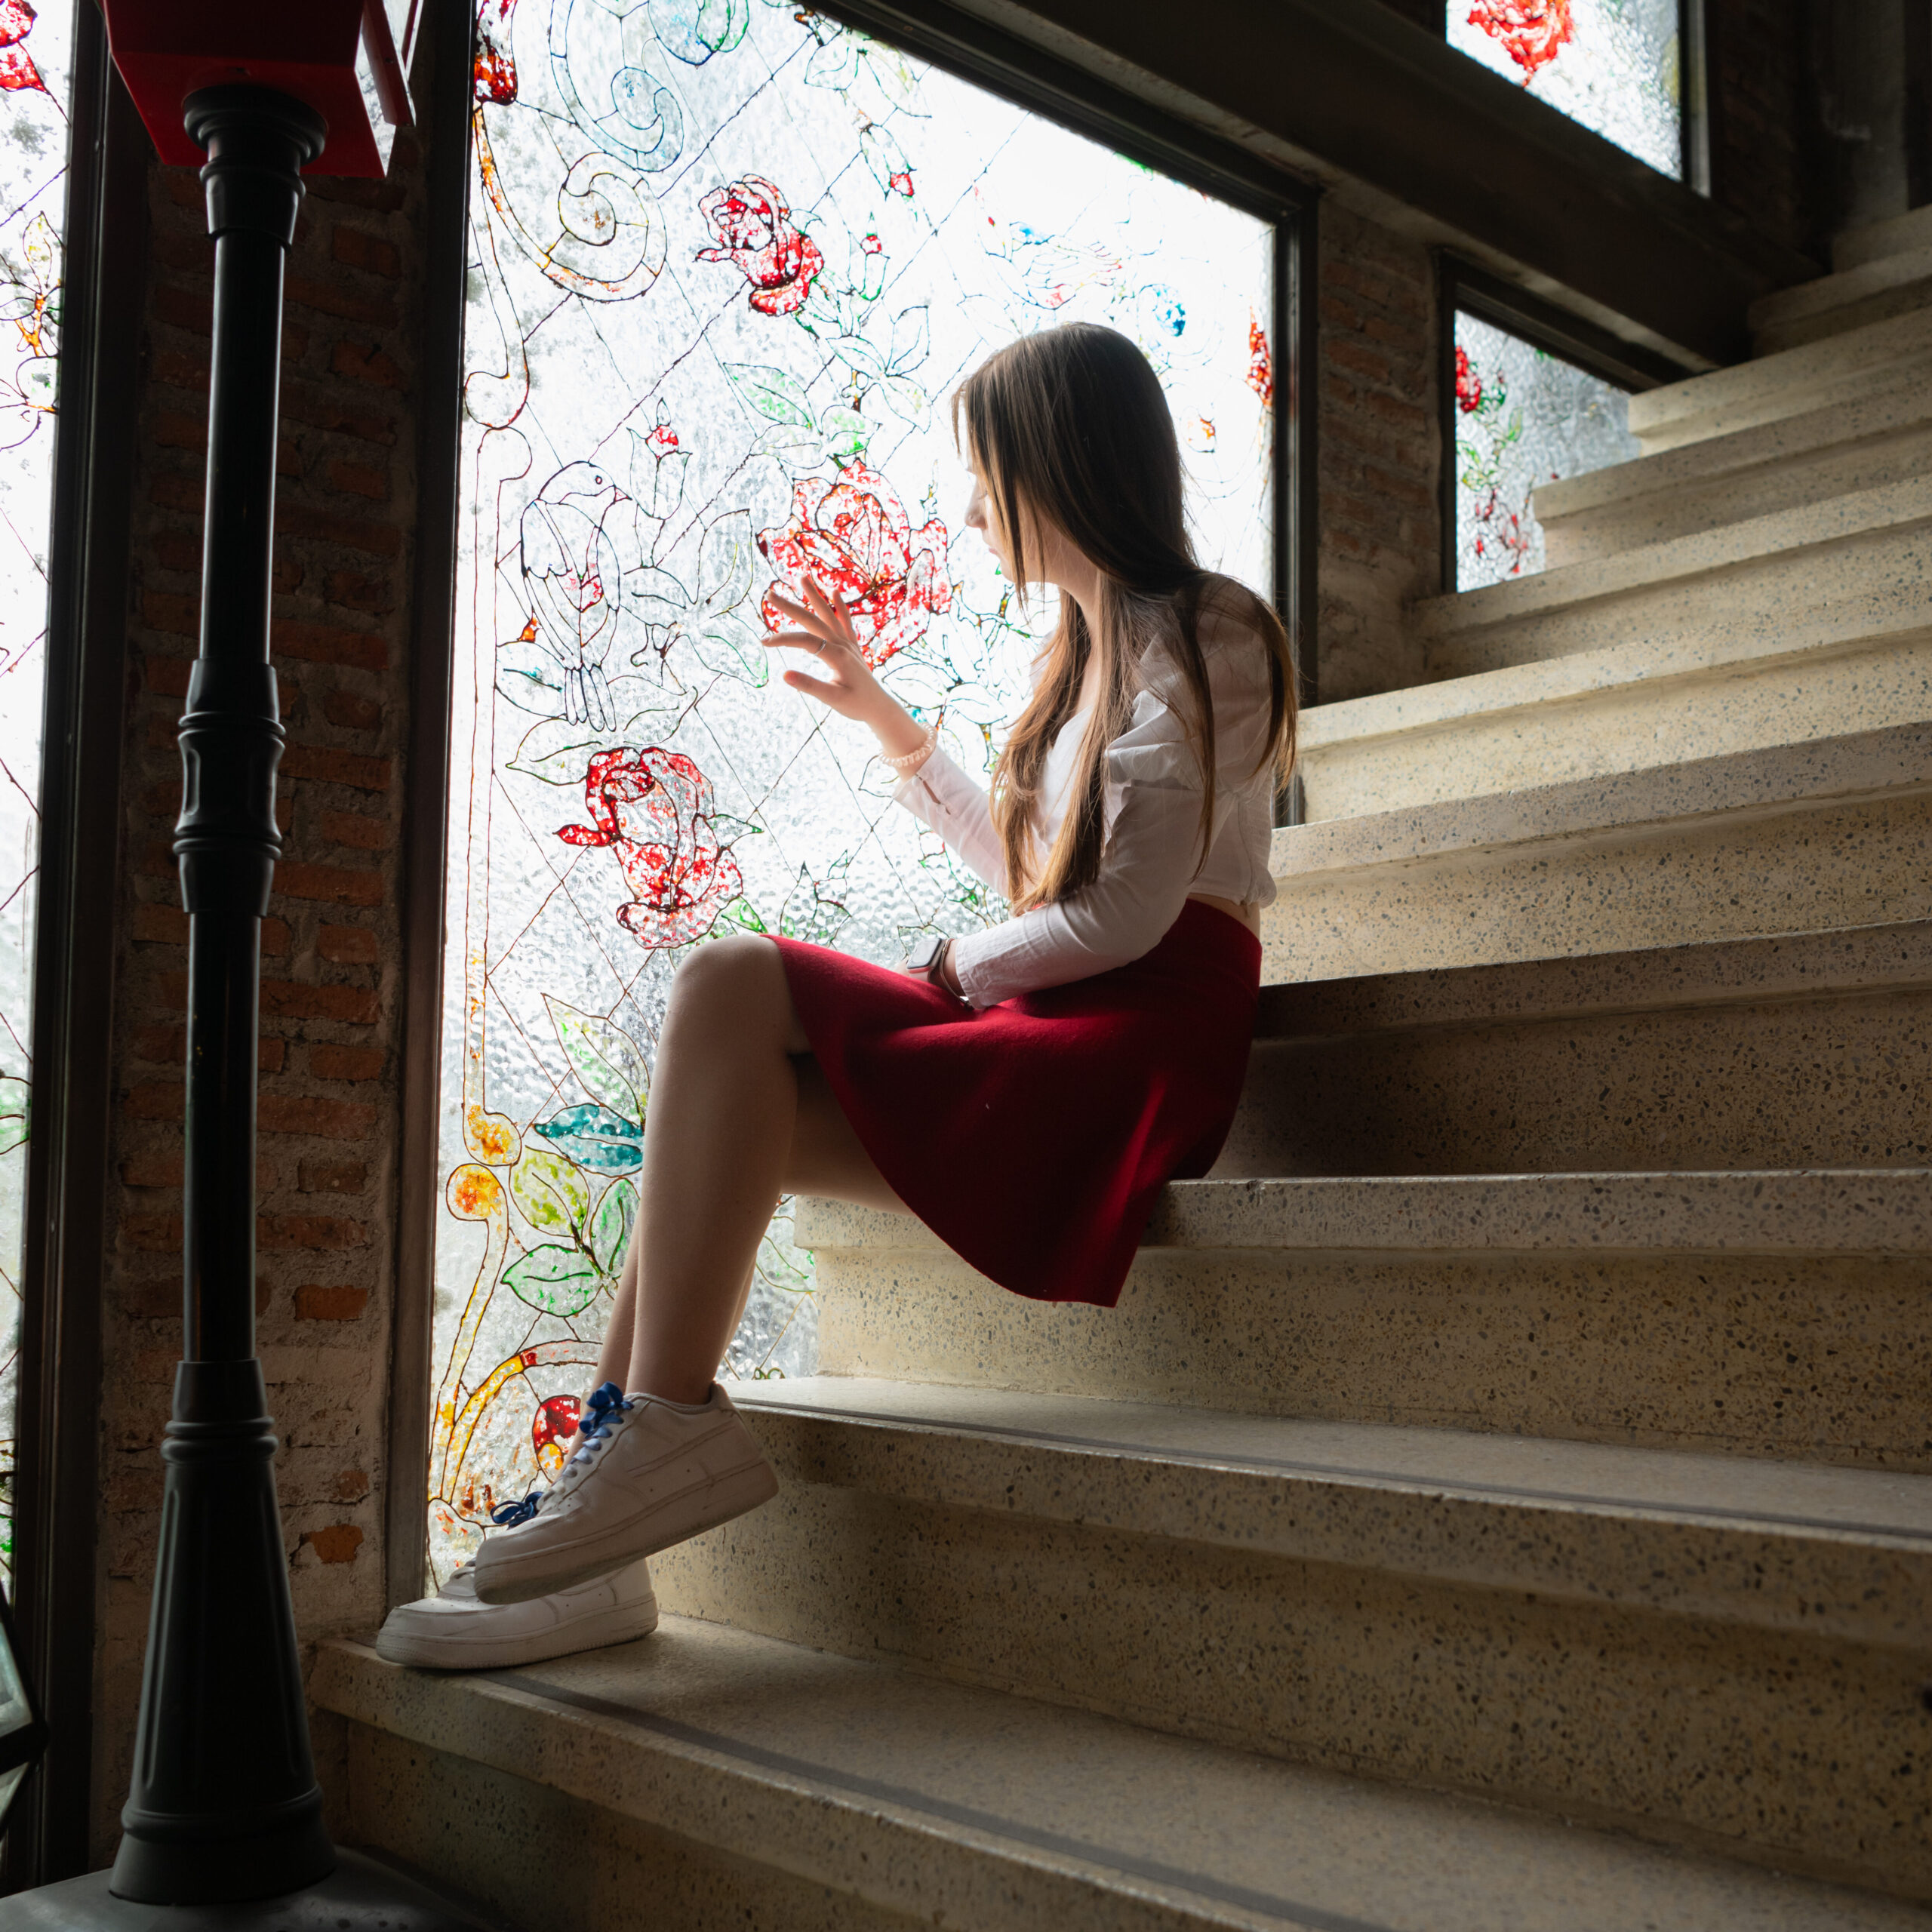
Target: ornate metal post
[[224, 1804]]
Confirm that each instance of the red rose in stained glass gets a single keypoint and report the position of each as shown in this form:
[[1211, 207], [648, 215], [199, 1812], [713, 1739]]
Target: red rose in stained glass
[[652, 808], [18, 75], [553, 1426], [1469, 385], [495, 64], [753, 223], [1260, 363], [855, 538], [1532, 32]]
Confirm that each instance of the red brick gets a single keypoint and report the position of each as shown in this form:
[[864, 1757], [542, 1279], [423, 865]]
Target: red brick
[[181, 310], [311, 1231], [360, 479], [332, 885], [333, 1176], [289, 1000], [332, 296], [162, 1045], [174, 491], [376, 594], [337, 1544], [387, 195], [314, 1302], [329, 644], [366, 365], [347, 946], [271, 1055], [179, 616], [320, 409], [156, 1101], [1365, 362], [274, 938], [166, 677], [328, 766], [174, 429], [352, 713], [174, 370], [167, 924], [330, 1120], [296, 519], [357, 829], [356, 248], [151, 1170], [350, 1486], [152, 1234], [327, 1063]]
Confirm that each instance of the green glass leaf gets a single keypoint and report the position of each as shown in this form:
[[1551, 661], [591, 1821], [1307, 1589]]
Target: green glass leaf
[[610, 1226], [776, 394], [604, 1058], [552, 1194], [554, 1280], [595, 1137]]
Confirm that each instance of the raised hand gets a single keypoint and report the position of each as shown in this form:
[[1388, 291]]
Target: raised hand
[[841, 680]]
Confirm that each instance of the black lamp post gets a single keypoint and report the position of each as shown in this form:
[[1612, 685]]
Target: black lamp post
[[223, 1825]]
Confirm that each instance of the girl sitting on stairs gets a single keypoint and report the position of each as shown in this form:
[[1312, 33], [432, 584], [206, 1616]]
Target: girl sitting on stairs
[[1026, 1091]]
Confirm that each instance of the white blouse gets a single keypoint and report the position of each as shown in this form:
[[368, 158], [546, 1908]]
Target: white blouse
[[1152, 860]]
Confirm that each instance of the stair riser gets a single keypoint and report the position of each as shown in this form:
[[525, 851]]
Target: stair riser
[[544, 1859], [1825, 1359], [1830, 1083], [1735, 876], [1783, 483], [1865, 587], [1797, 331], [1830, 374], [1633, 727], [1761, 1745]]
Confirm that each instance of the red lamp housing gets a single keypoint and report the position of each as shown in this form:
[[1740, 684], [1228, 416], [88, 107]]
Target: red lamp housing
[[349, 60]]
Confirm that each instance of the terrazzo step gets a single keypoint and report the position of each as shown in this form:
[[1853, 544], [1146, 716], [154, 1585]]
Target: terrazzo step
[[1852, 569], [1598, 713], [730, 1780], [1775, 466], [1786, 1315], [1543, 1623], [1811, 1051], [1874, 291], [1875, 357], [1802, 838], [1901, 234]]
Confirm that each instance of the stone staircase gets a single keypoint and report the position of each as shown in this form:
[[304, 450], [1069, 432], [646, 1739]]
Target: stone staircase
[[1503, 1495]]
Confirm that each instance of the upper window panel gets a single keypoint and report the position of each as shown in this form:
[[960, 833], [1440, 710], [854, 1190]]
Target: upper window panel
[[727, 263], [1613, 65], [33, 92]]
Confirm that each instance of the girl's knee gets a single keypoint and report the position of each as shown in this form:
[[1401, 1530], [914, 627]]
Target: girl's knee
[[743, 974]]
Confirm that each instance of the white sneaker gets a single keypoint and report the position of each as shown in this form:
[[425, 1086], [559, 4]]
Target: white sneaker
[[453, 1631], [648, 1473]]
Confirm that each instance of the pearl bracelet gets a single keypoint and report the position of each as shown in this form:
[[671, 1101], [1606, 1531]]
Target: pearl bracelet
[[908, 762]]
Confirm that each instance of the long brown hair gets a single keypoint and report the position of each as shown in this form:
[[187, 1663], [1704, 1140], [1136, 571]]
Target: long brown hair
[[1070, 428]]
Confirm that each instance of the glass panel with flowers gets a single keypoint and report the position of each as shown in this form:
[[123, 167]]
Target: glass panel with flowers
[[34, 99], [1523, 417], [1614, 65], [727, 261]]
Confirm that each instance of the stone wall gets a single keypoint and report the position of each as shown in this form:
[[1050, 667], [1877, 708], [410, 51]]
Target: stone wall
[[331, 966], [1764, 164]]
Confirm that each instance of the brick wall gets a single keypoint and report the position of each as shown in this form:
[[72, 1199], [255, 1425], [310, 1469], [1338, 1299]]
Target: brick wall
[[1764, 160], [1379, 450], [330, 970]]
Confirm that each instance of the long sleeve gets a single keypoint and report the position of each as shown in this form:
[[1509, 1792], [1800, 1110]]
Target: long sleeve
[[945, 800], [1154, 847]]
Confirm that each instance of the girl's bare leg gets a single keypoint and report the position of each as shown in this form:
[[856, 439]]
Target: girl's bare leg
[[740, 1114]]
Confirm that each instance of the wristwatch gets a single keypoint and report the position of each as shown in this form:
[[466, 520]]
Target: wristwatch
[[927, 957]]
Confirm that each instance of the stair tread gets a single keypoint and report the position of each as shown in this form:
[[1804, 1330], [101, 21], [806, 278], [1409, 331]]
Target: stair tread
[[1845, 962], [1118, 1438], [1892, 759], [1813, 1211], [1887, 506], [1899, 268], [1895, 234], [920, 1794]]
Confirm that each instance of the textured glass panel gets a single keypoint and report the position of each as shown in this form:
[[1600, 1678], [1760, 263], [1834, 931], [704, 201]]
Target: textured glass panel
[[1524, 418], [34, 79], [727, 264], [1611, 64]]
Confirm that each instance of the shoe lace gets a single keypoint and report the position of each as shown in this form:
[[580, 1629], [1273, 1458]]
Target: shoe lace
[[595, 1428], [510, 1514]]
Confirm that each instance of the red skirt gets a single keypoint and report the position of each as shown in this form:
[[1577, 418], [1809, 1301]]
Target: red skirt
[[1033, 1137]]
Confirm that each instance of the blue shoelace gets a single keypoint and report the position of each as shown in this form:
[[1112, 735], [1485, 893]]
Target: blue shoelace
[[595, 1424]]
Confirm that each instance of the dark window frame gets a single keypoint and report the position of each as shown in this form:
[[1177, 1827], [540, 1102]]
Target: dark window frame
[[968, 48], [1460, 286]]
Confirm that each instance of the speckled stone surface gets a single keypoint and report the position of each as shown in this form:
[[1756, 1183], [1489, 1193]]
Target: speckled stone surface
[[1825, 1357], [1760, 472], [1858, 362], [1898, 234], [1818, 311], [1450, 1635], [1801, 838], [963, 1807], [1851, 567]]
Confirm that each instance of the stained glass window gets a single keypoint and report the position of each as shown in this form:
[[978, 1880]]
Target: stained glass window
[[1613, 65], [34, 78], [1523, 417], [727, 261]]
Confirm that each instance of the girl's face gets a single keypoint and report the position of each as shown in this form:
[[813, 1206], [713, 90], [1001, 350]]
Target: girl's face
[[1051, 558], [982, 515]]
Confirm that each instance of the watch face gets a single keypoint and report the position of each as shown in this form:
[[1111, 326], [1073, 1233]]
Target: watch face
[[924, 954]]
